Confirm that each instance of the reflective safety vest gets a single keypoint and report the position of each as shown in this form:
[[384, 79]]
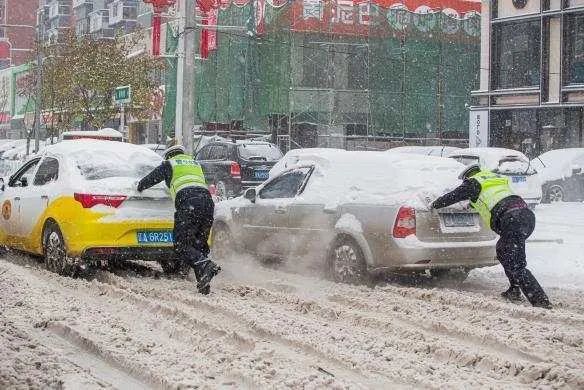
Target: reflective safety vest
[[494, 188], [185, 173]]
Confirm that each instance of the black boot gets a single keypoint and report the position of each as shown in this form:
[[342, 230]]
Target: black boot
[[205, 272], [512, 294], [533, 291]]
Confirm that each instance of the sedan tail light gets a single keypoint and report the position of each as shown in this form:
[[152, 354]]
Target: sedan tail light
[[235, 170], [90, 200], [405, 222]]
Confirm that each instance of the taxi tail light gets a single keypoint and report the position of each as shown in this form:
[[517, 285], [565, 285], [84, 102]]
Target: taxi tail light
[[405, 222], [90, 200], [235, 170]]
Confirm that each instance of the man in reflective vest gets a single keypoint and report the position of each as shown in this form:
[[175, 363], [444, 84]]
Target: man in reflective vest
[[507, 215], [193, 215]]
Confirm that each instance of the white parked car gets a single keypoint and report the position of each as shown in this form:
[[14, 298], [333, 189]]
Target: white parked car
[[562, 174], [524, 178], [437, 151]]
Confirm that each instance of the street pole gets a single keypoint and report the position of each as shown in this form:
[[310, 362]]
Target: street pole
[[39, 86], [123, 119], [188, 85], [180, 56]]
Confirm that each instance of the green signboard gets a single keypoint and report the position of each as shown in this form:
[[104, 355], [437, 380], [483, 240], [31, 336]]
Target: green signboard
[[123, 95]]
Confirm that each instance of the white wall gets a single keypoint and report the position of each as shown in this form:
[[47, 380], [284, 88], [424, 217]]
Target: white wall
[[507, 9], [555, 60]]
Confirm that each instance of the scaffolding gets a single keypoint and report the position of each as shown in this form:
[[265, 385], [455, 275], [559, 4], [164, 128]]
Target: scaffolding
[[341, 73]]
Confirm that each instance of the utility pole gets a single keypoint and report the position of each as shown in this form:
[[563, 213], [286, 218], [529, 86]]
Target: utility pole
[[188, 82], [180, 57], [39, 84]]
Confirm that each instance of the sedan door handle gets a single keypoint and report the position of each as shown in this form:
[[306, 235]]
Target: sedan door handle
[[17, 198], [280, 210]]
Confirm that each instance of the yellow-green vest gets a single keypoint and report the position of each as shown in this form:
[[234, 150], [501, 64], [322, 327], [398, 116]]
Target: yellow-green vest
[[494, 188], [185, 173]]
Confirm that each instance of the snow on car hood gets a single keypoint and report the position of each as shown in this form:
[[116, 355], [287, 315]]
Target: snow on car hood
[[500, 160], [342, 177], [557, 164]]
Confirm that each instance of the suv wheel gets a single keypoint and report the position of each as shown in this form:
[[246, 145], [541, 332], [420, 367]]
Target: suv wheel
[[55, 251], [556, 194], [346, 262]]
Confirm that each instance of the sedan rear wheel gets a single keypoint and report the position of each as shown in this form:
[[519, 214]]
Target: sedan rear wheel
[[556, 194], [55, 251], [347, 264]]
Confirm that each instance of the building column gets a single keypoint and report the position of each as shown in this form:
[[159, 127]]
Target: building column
[[485, 71]]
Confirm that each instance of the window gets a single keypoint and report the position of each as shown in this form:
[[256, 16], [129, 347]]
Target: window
[[48, 171], [23, 177], [259, 152], [218, 152], [286, 186], [203, 154], [516, 55], [574, 50]]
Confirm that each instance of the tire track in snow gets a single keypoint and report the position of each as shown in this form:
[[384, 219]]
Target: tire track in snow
[[125, 355], [405, 346], [184, 307]]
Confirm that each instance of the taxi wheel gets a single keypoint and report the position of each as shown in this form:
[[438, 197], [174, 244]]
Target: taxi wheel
[[346, 262], [56, 259]]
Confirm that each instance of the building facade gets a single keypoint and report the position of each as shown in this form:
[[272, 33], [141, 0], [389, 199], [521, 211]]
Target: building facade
[[17, 39], [531, 95]]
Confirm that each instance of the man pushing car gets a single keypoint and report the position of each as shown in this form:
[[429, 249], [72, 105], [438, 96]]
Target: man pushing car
[[193, 215], [507, 215]]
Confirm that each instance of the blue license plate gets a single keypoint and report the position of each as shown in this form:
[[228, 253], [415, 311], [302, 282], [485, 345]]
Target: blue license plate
[[261, 175], [518, 179], [160, 237]]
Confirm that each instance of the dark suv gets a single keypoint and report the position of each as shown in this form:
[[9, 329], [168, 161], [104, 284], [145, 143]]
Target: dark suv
[[235, 166]]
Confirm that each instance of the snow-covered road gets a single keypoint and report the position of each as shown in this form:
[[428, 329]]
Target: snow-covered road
[[268, 328]]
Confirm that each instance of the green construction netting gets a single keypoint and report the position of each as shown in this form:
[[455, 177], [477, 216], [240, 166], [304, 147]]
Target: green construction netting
[[405, 75]]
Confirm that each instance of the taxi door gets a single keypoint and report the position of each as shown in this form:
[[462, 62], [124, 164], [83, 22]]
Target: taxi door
[[35, 198], [12, 201]]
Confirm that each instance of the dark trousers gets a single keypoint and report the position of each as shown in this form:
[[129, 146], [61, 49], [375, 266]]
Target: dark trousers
[[193, 219], [514, 227]]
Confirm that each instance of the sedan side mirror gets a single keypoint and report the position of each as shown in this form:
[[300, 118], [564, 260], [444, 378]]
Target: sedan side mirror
[[576, 170], [250, 194], [23, 182]]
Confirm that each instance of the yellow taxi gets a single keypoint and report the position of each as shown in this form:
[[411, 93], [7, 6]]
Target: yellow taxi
[[76, 204]]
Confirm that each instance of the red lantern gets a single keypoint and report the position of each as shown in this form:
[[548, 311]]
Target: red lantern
[[159, 6]]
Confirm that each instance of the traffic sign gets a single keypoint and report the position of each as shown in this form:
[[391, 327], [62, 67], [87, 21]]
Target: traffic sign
[[123, 95]]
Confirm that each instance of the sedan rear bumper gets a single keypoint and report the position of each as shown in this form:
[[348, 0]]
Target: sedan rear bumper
[[128, 253], [414, 254]]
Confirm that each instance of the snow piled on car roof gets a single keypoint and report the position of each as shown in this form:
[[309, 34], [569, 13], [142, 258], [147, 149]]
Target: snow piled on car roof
[[105, 166], [342, 176]]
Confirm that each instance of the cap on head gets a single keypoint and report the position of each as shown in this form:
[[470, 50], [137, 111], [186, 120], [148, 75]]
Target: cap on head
[[469, 171], [173, 151]]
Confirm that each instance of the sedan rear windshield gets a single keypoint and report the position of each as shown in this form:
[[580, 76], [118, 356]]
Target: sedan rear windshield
[[259, 152], [106, 164], [514, 166], [466, 160]]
